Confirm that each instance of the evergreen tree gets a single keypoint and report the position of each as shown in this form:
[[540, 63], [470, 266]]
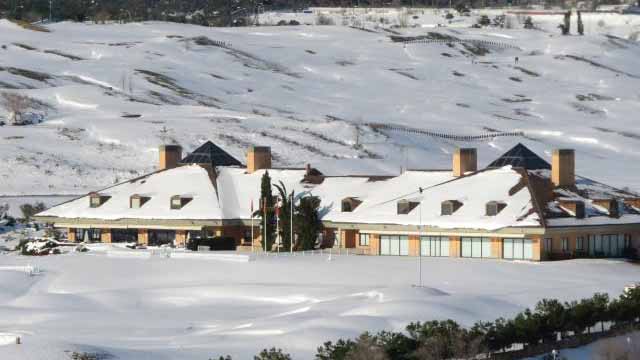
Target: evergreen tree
[[284, 216], [266, 199], [307, 222]]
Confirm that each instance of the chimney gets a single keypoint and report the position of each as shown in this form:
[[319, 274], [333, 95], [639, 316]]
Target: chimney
[[170, 155], [563, 167], [258, 157], [464, 160], [307, 169]]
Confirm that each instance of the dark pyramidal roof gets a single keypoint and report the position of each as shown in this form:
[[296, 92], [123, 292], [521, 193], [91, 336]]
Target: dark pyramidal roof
[[212, 154], [520, 156]]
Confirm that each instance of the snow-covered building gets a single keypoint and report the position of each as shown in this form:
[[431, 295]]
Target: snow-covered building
[[518, 207]]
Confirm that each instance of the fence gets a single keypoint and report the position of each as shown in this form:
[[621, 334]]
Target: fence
[[487, 136], [494, 44], [317, 252], [29, 269]]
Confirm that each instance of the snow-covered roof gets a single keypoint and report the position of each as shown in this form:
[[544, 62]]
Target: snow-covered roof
[[527, 198], [187, 181], [588, 192]]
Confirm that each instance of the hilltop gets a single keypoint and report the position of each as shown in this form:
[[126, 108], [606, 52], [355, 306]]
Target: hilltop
[[110, 94]]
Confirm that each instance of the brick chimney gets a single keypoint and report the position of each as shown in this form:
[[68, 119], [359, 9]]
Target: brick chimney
[[258, 157], [563, 167], [464, 160], [170, 155]]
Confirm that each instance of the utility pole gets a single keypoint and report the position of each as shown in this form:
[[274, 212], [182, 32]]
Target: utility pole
[[50, 11]]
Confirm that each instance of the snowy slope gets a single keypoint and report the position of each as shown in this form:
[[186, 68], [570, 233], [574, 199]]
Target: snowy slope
[[309, 91]]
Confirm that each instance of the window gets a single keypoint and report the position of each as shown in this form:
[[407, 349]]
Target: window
[[96, 200], [548, 242], [434, 246], [394, 245], [493, 208], [580, 243], [518, 249], [364, 240], [627, 241], [476, 247], [448, 207], [161, 237], [405, 206], [565, 244], [336, 238], [124, 235], [178, 202], [88, 235]]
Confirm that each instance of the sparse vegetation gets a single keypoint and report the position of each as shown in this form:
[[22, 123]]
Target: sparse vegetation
[[323, 19]]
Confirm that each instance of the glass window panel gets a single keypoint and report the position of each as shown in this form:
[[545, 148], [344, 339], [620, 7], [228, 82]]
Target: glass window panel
[[518, 249], [466, 247], [486, 248], [507, 248], [444, 246], [476, 248], [404, 245], [424, 246], [528, 249], [384, 245]]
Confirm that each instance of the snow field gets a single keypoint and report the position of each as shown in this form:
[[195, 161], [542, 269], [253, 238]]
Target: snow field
[[190, 309]]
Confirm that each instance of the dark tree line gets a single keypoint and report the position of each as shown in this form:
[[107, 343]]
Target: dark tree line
[[204, 12], [447, 340]]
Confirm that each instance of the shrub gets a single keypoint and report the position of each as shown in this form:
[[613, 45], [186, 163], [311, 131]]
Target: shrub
[[322, 19], [282, 23], [294, 22], [272, 354]]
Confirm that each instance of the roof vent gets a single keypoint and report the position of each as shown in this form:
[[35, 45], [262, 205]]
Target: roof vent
[[405, 206], [96, 200], [179, 201], [136, 201], [493, 208], [448, 207], [574, 206], [349, 204]]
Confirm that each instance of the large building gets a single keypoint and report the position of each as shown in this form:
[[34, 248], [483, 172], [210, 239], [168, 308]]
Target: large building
[[519, 207]]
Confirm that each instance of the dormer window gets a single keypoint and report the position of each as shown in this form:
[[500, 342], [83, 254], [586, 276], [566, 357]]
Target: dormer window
[[405, 206], [349, 204], [96, 200], [179, 201], [136, 201], [448, 207], [493, 208], [573, 206], [610, 205]]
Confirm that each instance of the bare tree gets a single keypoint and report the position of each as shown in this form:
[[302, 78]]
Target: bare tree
[[16, 104]]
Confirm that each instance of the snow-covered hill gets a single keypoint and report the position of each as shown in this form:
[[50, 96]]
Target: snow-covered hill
[[116, 91]]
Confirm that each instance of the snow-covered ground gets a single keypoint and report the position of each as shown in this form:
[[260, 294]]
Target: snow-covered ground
[[154, 307], [309, 91]]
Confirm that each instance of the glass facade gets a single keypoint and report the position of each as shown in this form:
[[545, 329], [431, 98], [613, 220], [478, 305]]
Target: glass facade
[[394, 245], [476, 247], [434, 246], [517, 249]]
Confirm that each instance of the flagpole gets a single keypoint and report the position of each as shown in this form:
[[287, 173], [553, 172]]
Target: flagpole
[[291, 223], [277, 229], [265, 224], [252, 248]]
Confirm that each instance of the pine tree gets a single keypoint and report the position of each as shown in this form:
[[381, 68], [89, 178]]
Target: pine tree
[[266, 199], [285, 216], [307, 222]]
